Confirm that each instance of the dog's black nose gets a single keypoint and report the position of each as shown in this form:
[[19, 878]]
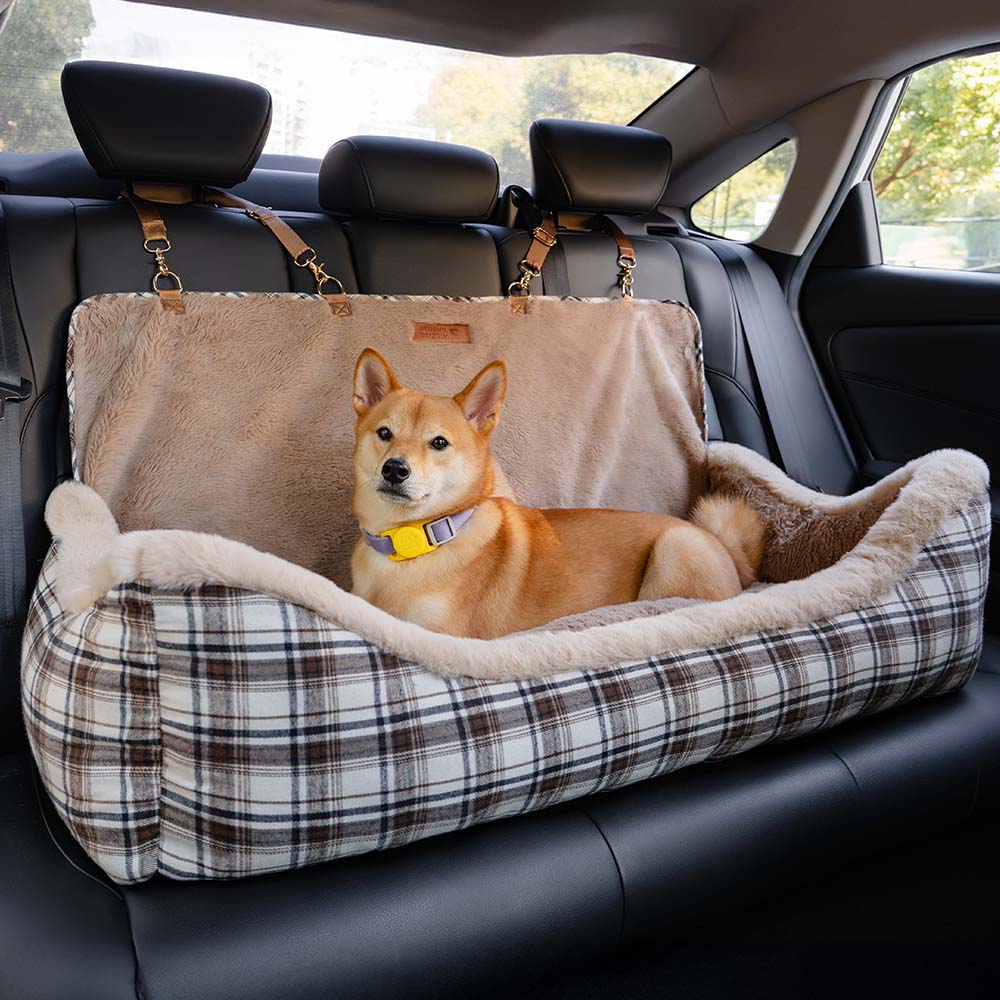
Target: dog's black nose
[[395, 471]]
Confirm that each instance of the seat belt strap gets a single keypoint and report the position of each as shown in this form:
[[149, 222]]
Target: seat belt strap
[[14, 391], [555, 277], [766, 357]]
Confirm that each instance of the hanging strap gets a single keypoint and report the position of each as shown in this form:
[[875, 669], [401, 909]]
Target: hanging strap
[[297, 248], [626, 253], [14, 391], [766, 358], [167, 284], [546, 246]]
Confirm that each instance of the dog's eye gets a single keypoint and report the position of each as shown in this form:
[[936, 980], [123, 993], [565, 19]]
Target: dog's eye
[[384, 434], [439, 443]]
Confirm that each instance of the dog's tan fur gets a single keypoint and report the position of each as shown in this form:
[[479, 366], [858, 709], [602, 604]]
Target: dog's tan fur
[[513, 567]]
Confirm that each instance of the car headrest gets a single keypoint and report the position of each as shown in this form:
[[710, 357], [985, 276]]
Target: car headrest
[[379, 177], [587, 167], [142, 123]]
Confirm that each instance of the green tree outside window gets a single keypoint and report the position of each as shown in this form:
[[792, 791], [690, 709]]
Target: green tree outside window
[[937, 179], [38, 38], [741, 207]]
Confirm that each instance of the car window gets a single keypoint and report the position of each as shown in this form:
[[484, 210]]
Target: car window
[[937, 178], [741, 207], [325, 84]]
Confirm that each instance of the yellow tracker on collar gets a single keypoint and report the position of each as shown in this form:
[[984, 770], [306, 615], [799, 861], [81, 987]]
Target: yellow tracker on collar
[[409, 541], [417, 538]]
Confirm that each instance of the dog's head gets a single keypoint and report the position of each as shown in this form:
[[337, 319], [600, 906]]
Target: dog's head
[[418, 456]]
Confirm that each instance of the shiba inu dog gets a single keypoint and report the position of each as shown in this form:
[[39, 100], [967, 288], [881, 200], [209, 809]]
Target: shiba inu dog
[[439, 549]]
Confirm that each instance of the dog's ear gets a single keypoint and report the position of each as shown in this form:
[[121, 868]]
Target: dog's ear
[[482, 399], [373, 380]]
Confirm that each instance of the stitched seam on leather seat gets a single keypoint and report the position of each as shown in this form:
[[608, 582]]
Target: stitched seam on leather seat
[[364, 172], [739, 386], [555, 165], [847, 767], [254, 155], [618, 870], [70, 98]]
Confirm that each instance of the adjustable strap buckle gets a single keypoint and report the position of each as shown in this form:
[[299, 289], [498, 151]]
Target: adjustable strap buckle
[[14, 393], [546, 239], [436, 530]]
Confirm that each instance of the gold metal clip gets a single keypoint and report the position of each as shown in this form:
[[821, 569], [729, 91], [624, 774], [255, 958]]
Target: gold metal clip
[[170, 295], [627, 266]]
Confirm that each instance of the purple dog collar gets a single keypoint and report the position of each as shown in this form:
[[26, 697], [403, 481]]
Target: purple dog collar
[[438, 532]]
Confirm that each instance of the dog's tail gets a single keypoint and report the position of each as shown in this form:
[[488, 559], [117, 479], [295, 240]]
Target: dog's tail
[[736, 524]]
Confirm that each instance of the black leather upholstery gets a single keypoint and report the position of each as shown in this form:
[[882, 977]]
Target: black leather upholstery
[[142, 123], [413, 258], [587, 167], [455, 916], [64, 930], [286, 181], [64, 173], [375, 177], [212, 250], [800, 810]]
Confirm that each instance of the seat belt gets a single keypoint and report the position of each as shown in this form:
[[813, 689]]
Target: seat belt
[[766, 359], [14, 390]]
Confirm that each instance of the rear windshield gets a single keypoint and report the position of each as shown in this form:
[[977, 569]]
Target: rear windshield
[[325, 84]]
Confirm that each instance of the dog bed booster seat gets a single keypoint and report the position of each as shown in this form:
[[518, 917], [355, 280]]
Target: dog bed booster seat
[[203, 697]]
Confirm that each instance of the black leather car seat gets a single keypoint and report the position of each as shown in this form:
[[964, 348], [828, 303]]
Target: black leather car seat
[[410, 209], [471, 913]]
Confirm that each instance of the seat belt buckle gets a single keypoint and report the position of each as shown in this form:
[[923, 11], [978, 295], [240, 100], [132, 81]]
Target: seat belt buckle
[[14, 393]]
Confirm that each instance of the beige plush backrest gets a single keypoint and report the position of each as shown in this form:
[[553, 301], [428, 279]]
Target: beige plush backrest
[[236, 417]]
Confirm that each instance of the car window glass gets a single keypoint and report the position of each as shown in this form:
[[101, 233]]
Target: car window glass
[[937, 178], [741, 207], [325, 84]]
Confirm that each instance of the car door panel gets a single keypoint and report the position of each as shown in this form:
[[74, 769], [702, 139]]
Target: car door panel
[[912, 358], [916, 388]]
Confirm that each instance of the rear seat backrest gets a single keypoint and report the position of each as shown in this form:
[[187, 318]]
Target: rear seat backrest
[[410, 209]]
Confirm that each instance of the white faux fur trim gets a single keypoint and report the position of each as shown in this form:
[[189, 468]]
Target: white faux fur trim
[[93, 557]]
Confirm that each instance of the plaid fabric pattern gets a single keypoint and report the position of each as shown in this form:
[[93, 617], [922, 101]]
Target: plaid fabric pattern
[[91, 709], [220, 733]]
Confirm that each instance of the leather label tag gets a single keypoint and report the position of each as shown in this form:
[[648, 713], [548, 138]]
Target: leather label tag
[[440, 333]]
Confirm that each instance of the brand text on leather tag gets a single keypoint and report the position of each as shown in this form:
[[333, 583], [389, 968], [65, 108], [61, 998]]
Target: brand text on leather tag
[[441, 333]]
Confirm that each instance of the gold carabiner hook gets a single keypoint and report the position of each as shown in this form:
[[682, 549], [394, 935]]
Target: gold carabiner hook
[[626, 267]]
